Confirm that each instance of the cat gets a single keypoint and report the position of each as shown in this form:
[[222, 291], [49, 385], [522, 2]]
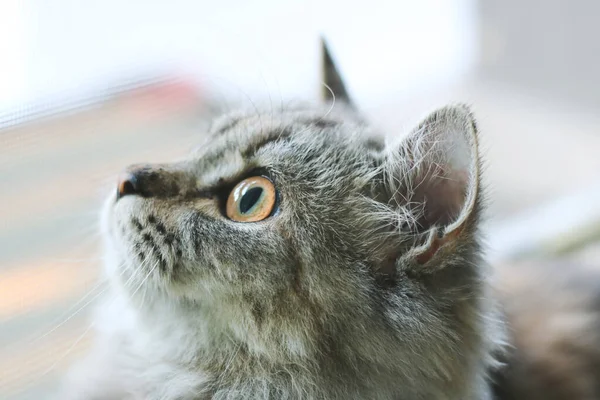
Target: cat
[[298, 255], [552, 310]]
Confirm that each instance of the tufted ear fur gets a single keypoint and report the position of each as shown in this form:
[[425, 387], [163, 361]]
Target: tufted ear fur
[[332, 78], [433, 178]]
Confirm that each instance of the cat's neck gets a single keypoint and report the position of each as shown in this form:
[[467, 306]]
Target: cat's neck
[[236, 358]]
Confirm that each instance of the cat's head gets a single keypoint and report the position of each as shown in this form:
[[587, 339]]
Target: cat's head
[[296, 226]]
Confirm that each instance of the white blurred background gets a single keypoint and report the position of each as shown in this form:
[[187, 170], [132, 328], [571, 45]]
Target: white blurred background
[[66, 49]]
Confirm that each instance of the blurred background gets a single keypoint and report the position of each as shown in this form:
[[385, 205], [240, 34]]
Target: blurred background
[[89, 87]]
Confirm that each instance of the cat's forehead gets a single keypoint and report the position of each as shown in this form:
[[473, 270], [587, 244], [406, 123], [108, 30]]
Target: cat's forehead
[[237, 141], [250, 130]]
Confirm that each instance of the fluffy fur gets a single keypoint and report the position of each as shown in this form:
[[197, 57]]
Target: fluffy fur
[[367, 284], [553, 310]]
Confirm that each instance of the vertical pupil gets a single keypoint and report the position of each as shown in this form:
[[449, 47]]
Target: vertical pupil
[[249, 199]]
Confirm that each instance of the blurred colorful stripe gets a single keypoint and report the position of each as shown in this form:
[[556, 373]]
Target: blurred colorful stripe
[[54, 173]]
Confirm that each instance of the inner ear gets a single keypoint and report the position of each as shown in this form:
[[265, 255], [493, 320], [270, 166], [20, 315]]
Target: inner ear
[[443, 180], [434, 173]]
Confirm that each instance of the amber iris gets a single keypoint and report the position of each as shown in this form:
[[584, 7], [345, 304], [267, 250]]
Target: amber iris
[[251, 200]]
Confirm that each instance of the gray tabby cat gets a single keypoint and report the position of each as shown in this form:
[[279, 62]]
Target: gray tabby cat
[[296, 255]]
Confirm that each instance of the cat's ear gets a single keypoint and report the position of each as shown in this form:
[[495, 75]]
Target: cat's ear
[[333, 83], [433, 176]]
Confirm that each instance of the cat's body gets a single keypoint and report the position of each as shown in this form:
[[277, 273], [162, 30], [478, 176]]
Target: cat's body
[[553, 311], [353, 272]]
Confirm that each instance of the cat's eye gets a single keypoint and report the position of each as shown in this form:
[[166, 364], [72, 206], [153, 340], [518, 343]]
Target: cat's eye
[[251, 200]]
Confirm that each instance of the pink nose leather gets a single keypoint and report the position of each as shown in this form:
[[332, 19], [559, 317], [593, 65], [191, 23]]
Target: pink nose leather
[[127, 184]]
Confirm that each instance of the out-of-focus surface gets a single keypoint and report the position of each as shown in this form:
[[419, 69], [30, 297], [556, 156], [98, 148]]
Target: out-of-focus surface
[[539, 127], [54, 176]]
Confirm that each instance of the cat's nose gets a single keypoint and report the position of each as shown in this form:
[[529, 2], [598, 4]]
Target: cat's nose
[[154, 180], [128, 184]]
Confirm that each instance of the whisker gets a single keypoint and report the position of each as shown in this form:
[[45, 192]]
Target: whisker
[[328, 111], [145, 279], [69, 350], [76, 260], [71, 314], [332, 100], [91, 325]]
